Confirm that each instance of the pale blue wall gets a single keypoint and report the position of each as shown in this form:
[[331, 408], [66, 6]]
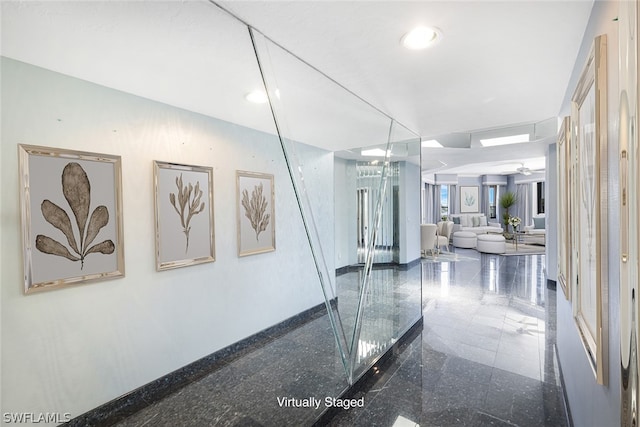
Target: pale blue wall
[[70, 350], [409, 212], [594, 405]]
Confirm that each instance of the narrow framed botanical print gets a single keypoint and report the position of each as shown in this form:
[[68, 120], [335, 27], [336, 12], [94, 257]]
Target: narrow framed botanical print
[[589, 216], [184, 216], [71, 208], [255, 213], [564, 206]]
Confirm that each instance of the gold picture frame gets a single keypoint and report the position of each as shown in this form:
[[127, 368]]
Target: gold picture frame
[[71, 212], [564, 206], [255, 195], [184, 215], [589, 208]]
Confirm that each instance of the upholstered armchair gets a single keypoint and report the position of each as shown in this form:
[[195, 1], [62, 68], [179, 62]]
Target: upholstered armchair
[[444, 234], [428, 238]]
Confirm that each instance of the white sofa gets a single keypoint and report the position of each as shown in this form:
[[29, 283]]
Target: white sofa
[[476, 223], [538, 229]]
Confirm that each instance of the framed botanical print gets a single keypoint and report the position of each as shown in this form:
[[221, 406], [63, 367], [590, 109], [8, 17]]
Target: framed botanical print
[[589, 209], [184, 217], [564, 207], [71, 204], [255, 213], [469, 200]]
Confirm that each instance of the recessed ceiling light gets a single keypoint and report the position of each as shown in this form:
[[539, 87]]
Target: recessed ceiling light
[[421, 38], [505, 140], [257, 97], [432, 143]]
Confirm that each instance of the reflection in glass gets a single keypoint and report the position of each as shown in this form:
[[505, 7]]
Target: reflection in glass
[[368, 180], [372, 307]]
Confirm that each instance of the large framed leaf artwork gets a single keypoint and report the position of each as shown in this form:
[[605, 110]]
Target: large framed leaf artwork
[[469, 201], [256, 213], [71, 208], [184, 216], [589, 208]]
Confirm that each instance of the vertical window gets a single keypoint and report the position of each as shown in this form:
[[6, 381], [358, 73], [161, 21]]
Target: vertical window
[[493, 196], [444, 200], [540, 197]]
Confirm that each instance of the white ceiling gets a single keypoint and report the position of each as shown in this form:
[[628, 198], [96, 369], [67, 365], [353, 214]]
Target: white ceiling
[[498, 64]]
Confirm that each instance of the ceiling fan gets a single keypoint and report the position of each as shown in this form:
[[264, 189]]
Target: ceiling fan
[[523, 170]]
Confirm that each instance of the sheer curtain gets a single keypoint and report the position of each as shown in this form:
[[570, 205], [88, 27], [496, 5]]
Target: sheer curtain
[[524, 205], [452, 199], [428, 203], [485, 201], [436, 204]]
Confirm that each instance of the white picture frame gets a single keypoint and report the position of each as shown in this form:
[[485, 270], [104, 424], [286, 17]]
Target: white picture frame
[[469, 199]]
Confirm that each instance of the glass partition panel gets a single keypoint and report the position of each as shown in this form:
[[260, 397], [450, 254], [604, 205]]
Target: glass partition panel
[[382, 204], [390, 298], [176, 93]]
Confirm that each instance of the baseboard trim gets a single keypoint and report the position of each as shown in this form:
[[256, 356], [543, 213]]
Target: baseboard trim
[[565, 398], [377, 266], [128, 404]]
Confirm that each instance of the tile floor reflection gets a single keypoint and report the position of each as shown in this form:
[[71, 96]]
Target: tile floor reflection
[[485, 356], [392, 305], [300, 364]]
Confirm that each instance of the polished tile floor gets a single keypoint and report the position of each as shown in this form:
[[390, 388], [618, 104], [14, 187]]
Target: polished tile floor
[[485, 357]]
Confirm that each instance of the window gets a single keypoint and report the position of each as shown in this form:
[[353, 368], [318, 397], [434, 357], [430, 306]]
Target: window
[[444, 200], [540, 197], [493, 196]]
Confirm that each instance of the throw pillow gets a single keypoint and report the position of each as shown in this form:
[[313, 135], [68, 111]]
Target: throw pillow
[[538, 223], [476, 221], [464, 221], [456, 220], [483, 221]]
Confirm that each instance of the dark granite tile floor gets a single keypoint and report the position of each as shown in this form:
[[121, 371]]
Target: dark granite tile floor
[[485, 357]]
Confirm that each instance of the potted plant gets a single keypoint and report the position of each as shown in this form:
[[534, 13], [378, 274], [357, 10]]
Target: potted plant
[[507, 200]]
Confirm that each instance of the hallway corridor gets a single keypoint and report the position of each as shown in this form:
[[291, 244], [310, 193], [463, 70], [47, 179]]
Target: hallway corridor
[[484, 357]]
